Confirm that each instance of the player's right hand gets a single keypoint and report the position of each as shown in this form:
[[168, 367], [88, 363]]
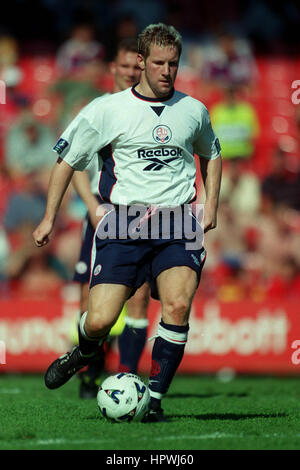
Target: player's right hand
[[42, 232]]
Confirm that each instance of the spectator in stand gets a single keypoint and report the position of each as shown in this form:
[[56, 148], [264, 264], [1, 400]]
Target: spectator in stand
[[25, 268], [11, 76], [10, 71], [125, 26], [285, 284], [273, 248], [28, 146], [236, 122], [70, 95], [144, 13], [28, 271], [229, 61], [80, 50], [282, 184], [4, 255], [81, 68], [240, 189]]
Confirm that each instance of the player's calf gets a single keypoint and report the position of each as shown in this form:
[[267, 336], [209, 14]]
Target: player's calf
[[167, 353]]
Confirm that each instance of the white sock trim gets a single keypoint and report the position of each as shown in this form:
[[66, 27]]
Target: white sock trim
[[136, 322], [156, 395], [172, 336], [85, 335]]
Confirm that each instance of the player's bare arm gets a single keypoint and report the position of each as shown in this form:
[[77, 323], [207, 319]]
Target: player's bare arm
[[60, 178], [211, 171], [82, 186]]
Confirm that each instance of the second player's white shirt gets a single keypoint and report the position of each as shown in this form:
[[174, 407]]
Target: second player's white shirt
[[144, 147]]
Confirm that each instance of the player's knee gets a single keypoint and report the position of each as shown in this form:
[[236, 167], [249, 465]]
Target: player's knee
[[96, 324], [176, 310]]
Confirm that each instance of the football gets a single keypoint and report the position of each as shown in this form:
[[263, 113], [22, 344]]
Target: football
[[123, 397]]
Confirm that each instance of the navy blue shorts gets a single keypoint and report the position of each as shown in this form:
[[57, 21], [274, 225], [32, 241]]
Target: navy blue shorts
[[83, 266], [132, 260]]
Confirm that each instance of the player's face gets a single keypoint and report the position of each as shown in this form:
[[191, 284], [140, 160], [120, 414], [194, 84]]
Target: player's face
[[125, 70], [160, 69]]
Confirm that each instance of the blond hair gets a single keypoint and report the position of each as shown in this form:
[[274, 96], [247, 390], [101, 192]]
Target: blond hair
[[160, 34]]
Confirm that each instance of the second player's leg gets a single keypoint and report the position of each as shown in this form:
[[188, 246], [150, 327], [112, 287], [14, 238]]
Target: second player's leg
[[133, 337], [137, 305]]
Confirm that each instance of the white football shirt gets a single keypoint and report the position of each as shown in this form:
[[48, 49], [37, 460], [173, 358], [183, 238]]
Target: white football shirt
[[95, 165], [145, 147]]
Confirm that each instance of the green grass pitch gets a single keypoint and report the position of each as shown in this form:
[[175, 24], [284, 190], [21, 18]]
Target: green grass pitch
[[251, 413]]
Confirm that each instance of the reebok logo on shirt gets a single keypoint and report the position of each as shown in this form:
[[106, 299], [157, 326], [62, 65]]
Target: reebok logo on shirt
[[157, 164], [159, 152]]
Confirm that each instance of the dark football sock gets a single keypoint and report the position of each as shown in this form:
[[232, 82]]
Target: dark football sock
[[167, 353], [131, 344], [97, 364]]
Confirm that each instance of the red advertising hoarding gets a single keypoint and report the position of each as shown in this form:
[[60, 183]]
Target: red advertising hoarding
[[247, 337]]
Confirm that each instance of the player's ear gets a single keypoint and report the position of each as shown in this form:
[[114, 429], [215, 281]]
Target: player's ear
[[112, 67], [140, 61]]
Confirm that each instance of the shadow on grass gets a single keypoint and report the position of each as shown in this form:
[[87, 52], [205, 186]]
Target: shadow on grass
[[232, 416], [206, 395]]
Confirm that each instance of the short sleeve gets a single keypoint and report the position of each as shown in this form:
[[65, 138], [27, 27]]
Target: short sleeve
[[207, 144], [79, 143]]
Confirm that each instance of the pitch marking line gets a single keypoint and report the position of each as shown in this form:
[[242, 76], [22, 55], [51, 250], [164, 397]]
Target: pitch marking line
[[10, 391], [215, 435]]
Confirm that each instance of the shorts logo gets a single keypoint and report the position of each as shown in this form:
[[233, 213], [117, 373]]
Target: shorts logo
[[162, 134], [97, 269], [81, 267], [196, 261], [60, 146]]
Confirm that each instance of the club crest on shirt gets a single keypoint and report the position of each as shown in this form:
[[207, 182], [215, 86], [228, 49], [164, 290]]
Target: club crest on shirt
[[162, 134]]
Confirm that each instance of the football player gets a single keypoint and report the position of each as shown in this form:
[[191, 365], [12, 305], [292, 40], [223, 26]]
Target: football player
[[146, 138]]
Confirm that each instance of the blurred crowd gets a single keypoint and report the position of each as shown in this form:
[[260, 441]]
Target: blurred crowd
[[243, 79]]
